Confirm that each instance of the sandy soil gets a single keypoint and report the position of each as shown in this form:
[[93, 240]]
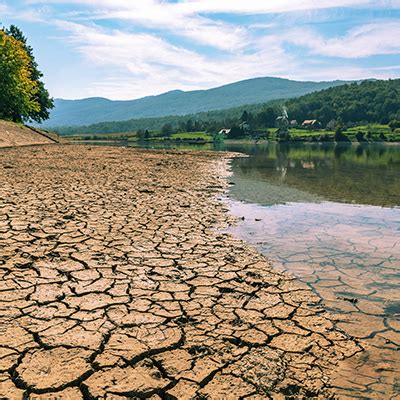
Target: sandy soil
[[116, 284]]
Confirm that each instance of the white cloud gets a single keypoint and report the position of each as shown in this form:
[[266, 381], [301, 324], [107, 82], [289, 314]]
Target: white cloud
[[363, 41], [266, 7], [263, 26], [330, 73], [192, 7], [145, 63], [141, 57], [202, 30], [166, 16], [187, 18], [4, 8], [386, 68], [36, 14]]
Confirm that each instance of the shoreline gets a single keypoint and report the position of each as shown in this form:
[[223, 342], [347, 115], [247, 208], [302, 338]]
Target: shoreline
[[132, 143], [118, 282]]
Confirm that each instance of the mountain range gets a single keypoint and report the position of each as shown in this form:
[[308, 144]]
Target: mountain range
[[178, 102]]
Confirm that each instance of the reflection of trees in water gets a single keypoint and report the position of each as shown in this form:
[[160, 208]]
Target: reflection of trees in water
[[341, 149], [359, 151], [336, 172]]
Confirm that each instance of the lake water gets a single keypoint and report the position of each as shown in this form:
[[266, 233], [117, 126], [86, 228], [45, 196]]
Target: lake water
[[330, 214]]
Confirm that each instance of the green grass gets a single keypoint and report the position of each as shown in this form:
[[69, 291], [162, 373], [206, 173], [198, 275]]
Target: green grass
[[303, 132], [371, 133], [373, 128], [192, 136], [308, 134], [104, 136]]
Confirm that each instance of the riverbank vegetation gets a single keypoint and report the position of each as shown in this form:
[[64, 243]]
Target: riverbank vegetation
[[358, 133]]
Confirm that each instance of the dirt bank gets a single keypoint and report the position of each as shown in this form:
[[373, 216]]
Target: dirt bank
[[12, 134], [115, 284]]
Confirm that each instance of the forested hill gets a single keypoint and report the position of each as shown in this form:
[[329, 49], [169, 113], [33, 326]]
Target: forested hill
[[369, 101], [375, 101], [251, 91], [210, 120]]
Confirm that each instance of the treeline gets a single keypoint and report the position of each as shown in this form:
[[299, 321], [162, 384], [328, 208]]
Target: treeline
[[23, 96], [374, 101], [209, 121], [345, 106]]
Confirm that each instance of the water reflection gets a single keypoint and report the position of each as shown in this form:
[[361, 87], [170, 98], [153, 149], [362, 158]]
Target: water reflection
[[298, 208], [350, 173], [364, 174]]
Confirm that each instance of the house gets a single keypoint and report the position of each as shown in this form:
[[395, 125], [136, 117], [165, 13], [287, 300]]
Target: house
[[224, 131], [293, 122], [311, 123]]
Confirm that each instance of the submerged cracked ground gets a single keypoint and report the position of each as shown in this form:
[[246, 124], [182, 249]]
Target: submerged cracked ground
[[117, 283]]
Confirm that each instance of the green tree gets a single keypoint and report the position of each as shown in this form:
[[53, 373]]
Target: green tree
[[244, 117], [182, 126], [18, 91], [267, 117], [41, 95], [360, 137], [167, 130], [140, 134], [236, 132], [189, 125], [197, 127], [365, 102], [394, 124], [339, 135]]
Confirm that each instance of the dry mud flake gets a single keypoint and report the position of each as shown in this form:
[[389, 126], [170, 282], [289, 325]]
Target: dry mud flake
[[116, 284], [142, 380], [42, 370]]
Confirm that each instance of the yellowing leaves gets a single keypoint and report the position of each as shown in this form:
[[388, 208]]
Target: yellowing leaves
[[17, 89]]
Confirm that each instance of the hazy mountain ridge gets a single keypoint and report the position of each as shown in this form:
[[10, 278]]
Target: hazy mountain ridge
[[177, 102], [360, 102]]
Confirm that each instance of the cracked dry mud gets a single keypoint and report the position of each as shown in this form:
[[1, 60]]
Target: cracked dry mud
[[116, 284]]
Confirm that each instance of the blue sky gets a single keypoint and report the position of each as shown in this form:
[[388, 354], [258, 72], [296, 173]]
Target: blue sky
[[125, 49]]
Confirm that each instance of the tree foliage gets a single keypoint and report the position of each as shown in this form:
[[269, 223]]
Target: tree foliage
[[23, 95], [376, 101], [167, 130], [17, 88], [394, 124]]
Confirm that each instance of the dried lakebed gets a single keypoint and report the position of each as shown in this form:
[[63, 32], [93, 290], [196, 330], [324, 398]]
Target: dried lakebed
[[117, 283]]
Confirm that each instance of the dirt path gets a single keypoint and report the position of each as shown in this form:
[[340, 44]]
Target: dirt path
[[115, 284]]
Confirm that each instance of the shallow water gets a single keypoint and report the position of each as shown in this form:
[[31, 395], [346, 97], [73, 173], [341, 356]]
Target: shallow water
[[331, 216]]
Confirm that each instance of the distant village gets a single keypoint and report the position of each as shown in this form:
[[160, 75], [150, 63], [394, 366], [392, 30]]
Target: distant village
[[311, 124]]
